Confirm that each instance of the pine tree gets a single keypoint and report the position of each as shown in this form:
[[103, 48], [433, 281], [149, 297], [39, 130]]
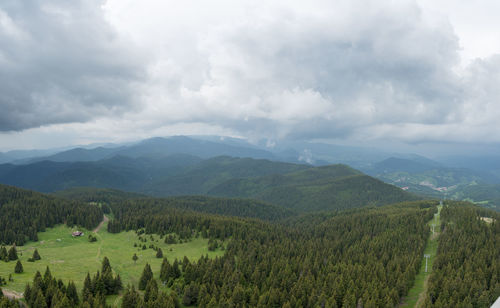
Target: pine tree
[[87, 286], [131, 298], [3, 254], [118, 284], [147, 275], [27, 293], [19, 267], [71, 293], [151, 292], [12, 253], [159, 253], [39, 300], [135, 257], [105, 265], [36, 255]]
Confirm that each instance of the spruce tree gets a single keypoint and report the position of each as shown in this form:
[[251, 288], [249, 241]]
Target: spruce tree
[[36, 255], [159, 253], [105, 265], [12, 253], [151, 292], [71, 293], [135, 257], [131, 298], [39, 300], [146, 276], [118, 284], [3, 254], [19, 267]]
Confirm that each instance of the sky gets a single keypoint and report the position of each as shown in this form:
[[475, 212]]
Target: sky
[[419, 74]]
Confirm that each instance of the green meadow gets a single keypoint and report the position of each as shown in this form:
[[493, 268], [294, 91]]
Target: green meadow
[[71, 258]]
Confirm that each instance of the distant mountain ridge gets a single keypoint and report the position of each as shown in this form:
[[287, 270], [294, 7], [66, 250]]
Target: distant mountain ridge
[[158, 147], [297, 186]]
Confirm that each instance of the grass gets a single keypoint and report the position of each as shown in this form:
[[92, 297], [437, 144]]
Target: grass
[[419, 288], [71, 258]]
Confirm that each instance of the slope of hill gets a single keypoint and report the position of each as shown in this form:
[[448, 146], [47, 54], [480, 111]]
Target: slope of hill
[[485, 195], [92, 194], [314, 189], [24, 213], [295, 186], [202, 177], [426, 177], [118, 172]]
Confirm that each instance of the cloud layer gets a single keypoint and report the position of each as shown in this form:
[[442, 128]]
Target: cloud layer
[[60, 62], [362, 70]]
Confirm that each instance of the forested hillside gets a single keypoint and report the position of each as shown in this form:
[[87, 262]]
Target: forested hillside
[[314, 189], [210, 205], [466, 271], [366, 257], [24, 213], [207, 174]]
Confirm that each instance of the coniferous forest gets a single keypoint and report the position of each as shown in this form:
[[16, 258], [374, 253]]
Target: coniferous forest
[[364, 257], [467, 269], [24, 213]]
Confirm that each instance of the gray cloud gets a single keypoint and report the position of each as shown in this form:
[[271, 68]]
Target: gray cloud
[[303, 76], [60, 62], [362, 70]]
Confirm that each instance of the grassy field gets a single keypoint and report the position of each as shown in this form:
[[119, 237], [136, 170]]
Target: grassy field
[[71, 258], [420, 286]]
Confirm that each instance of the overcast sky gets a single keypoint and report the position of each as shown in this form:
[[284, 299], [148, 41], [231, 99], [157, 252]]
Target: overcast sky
[[358, 72]]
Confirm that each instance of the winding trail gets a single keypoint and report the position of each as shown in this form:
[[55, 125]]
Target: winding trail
[[416, 295], [105, 219]]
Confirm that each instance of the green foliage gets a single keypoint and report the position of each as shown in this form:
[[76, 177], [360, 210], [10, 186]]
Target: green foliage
[[36, 255], [24, 213], [146, 276], [4, 255], [466, 271], [358, 256], [159, 253], [314, 189], [19, 267], [12, 254]]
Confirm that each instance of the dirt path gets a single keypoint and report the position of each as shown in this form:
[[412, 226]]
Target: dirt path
[[104, 220], [12, 294]]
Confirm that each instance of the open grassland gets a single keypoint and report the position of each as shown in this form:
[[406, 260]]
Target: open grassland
[[71, 258], [417, 292]]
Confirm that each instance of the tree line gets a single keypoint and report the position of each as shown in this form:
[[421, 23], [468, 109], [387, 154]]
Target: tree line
[[24, 213]]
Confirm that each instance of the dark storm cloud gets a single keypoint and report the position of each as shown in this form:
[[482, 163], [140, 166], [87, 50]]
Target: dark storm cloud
[[61, 62]]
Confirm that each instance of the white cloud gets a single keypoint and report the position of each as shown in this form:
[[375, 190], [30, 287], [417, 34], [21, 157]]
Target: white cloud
[[363, 70]]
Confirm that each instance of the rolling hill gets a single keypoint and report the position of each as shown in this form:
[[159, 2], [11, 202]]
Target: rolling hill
[[296, 186], [315, 189]]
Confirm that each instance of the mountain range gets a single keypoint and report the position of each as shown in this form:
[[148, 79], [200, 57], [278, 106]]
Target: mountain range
[[233, 167]]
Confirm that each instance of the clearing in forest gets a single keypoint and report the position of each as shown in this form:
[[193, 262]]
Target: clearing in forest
[[416, 295], [70, 258]]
